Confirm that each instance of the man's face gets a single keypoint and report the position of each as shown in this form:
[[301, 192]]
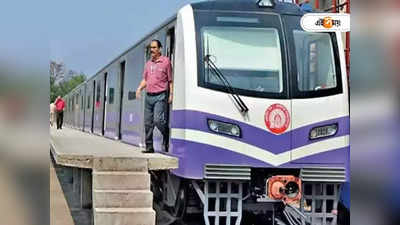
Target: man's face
[[154, 49]]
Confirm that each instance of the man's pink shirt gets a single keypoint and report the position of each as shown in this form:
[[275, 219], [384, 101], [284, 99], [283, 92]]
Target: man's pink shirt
[[157, 74]]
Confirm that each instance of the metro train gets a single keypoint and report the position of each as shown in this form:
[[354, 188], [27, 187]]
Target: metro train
[[259, 120]]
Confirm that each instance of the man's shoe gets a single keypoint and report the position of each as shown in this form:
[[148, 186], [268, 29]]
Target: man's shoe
[[165, 148], [147, 151]]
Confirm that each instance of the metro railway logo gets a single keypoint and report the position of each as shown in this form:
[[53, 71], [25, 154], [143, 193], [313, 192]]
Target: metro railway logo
[[277, 118]]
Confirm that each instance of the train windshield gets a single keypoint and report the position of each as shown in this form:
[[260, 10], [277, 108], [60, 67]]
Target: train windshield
[[247, 48], [249, 57], [315, 61]]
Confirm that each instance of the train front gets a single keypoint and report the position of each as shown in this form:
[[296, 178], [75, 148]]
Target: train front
[[261, 105]]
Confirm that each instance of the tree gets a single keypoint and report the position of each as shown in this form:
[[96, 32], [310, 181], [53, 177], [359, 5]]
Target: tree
[[64, 87]]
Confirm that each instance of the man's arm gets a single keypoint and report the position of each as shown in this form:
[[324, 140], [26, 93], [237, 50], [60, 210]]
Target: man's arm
[[142, 85], [170, 92]]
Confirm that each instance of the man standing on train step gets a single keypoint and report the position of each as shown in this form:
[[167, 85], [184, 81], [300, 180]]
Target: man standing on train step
[[60, 106], [157, 79]]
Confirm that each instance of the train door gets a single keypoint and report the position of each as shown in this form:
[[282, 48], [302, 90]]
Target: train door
[[120, 102], [79, 103], [76, 110], [99, 106], [104, 104], [319, 105], [170, 52], [92, 106], [82, 108], [88, 101], [73, 110]]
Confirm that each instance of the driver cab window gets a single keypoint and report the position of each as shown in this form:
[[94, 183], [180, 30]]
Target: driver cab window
[[315, 61]]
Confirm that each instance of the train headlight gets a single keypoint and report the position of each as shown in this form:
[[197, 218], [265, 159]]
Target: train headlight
[[235, 131], [266, 3], [224, 128], [324, 131]]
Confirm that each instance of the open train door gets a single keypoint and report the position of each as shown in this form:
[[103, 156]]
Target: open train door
[[105, 104], [121, 80], [170, 52]]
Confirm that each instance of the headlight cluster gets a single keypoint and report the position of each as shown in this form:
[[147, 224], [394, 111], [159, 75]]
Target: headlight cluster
[[323, 131], [224, 128]]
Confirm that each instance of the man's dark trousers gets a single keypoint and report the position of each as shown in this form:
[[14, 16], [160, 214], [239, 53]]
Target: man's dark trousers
[[156, 114], [60, 118]]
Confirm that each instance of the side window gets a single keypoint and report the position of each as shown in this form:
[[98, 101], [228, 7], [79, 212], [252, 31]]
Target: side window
[[77, 101], [98, 96], [131, 95], [82, 103], [147, 54], [111, 95], [88, 102], [73, 104]]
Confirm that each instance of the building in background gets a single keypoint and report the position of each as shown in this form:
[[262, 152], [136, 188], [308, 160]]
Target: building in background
[[60, 73]]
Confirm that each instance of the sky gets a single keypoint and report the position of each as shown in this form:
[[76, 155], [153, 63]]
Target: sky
[[87, 35]]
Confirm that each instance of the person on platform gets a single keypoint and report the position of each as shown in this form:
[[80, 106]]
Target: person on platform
[[60, 106], [157, 80]]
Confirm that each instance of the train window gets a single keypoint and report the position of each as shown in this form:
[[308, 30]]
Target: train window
[[88, 102], [232, 50], [315, 61], [73, 104], [147, 54], [77, 102], [131, 95], [98, 94], [82, 103], [111, 95]]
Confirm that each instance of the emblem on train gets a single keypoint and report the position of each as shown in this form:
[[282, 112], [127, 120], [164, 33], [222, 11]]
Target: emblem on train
[[277, 118]]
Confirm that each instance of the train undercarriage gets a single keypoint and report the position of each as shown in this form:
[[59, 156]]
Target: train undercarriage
[[251, 196]]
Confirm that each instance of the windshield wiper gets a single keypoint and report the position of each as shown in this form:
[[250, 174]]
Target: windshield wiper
[[211, 65]]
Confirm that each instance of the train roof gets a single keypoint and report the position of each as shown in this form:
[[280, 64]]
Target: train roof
[[229, 5], [249, 6]]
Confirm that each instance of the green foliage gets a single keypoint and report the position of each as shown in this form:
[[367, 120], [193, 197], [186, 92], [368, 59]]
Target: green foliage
[[65, 87]]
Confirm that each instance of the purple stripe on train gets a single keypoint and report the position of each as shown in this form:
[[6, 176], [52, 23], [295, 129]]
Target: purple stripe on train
[[189, 119], [131, 137], [110, 132], [193, 156], [132, 118]]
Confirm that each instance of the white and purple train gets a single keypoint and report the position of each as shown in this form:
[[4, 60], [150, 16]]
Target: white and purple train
[[260, 117]]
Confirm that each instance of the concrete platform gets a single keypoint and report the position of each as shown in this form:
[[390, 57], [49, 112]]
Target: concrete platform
[[75, 148], [110, 177]]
